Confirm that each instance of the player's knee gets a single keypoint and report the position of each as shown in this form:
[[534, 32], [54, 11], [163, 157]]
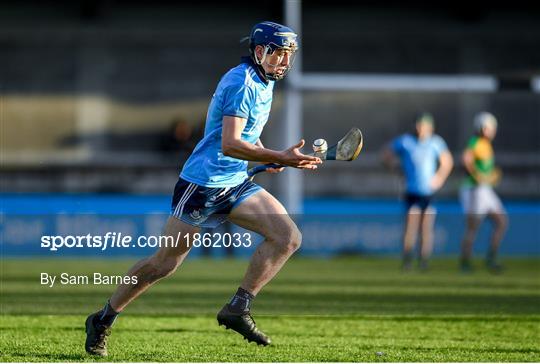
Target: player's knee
[[291, 239], [296, 239], [287, 238], [502, 222]]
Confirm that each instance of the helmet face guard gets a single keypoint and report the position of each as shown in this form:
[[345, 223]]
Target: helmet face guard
[[280, 53], [276, 40]]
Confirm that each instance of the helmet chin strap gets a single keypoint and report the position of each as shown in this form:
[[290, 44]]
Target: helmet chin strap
[[260, 69], [260, 62]]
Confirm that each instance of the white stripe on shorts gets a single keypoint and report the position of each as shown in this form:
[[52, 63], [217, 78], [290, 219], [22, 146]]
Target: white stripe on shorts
[[187, 194], [242, 190]]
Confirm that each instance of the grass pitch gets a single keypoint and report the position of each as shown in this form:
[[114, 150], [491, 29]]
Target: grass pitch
[[347, 309]]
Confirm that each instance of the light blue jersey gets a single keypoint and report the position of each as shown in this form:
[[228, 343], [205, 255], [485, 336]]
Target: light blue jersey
[[242, 93], [419, 160]]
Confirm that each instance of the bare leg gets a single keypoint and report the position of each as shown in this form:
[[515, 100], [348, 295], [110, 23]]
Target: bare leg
[[410, 235], [426, 240], [160, 265], [148, 271], [500, 221], [473, 223], [265, 215]]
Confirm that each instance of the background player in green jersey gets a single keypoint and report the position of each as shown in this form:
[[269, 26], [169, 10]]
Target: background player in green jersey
[[477, 195]]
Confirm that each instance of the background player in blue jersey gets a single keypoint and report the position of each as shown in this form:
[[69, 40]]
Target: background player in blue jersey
[[213, 186], [426, 163]]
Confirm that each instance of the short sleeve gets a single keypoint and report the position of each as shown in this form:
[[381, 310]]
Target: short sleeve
[[439, 145], [238, 100], [472, 143]]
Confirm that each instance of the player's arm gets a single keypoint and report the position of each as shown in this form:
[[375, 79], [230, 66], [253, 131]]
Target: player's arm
[[390, 154], [389, 157], [269, 170], [233, 146], [468, 159], [446, 163], [470, 167], [468, 162]]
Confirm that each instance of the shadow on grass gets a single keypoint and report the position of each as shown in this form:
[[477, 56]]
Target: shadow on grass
[[168, 330], [302, 303]]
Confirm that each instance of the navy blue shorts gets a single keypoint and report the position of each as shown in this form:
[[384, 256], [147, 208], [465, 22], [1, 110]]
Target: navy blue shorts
[[208, 207], [420, 201]]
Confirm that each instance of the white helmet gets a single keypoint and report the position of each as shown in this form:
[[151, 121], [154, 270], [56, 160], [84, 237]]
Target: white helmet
[[484, 119]]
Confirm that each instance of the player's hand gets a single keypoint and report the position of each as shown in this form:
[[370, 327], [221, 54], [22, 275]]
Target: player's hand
[[492, 178], [275, 170], [496, 176], [294, 158], [436, 182]]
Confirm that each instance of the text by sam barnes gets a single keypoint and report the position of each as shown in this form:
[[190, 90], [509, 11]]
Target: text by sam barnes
[[67, 279]]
